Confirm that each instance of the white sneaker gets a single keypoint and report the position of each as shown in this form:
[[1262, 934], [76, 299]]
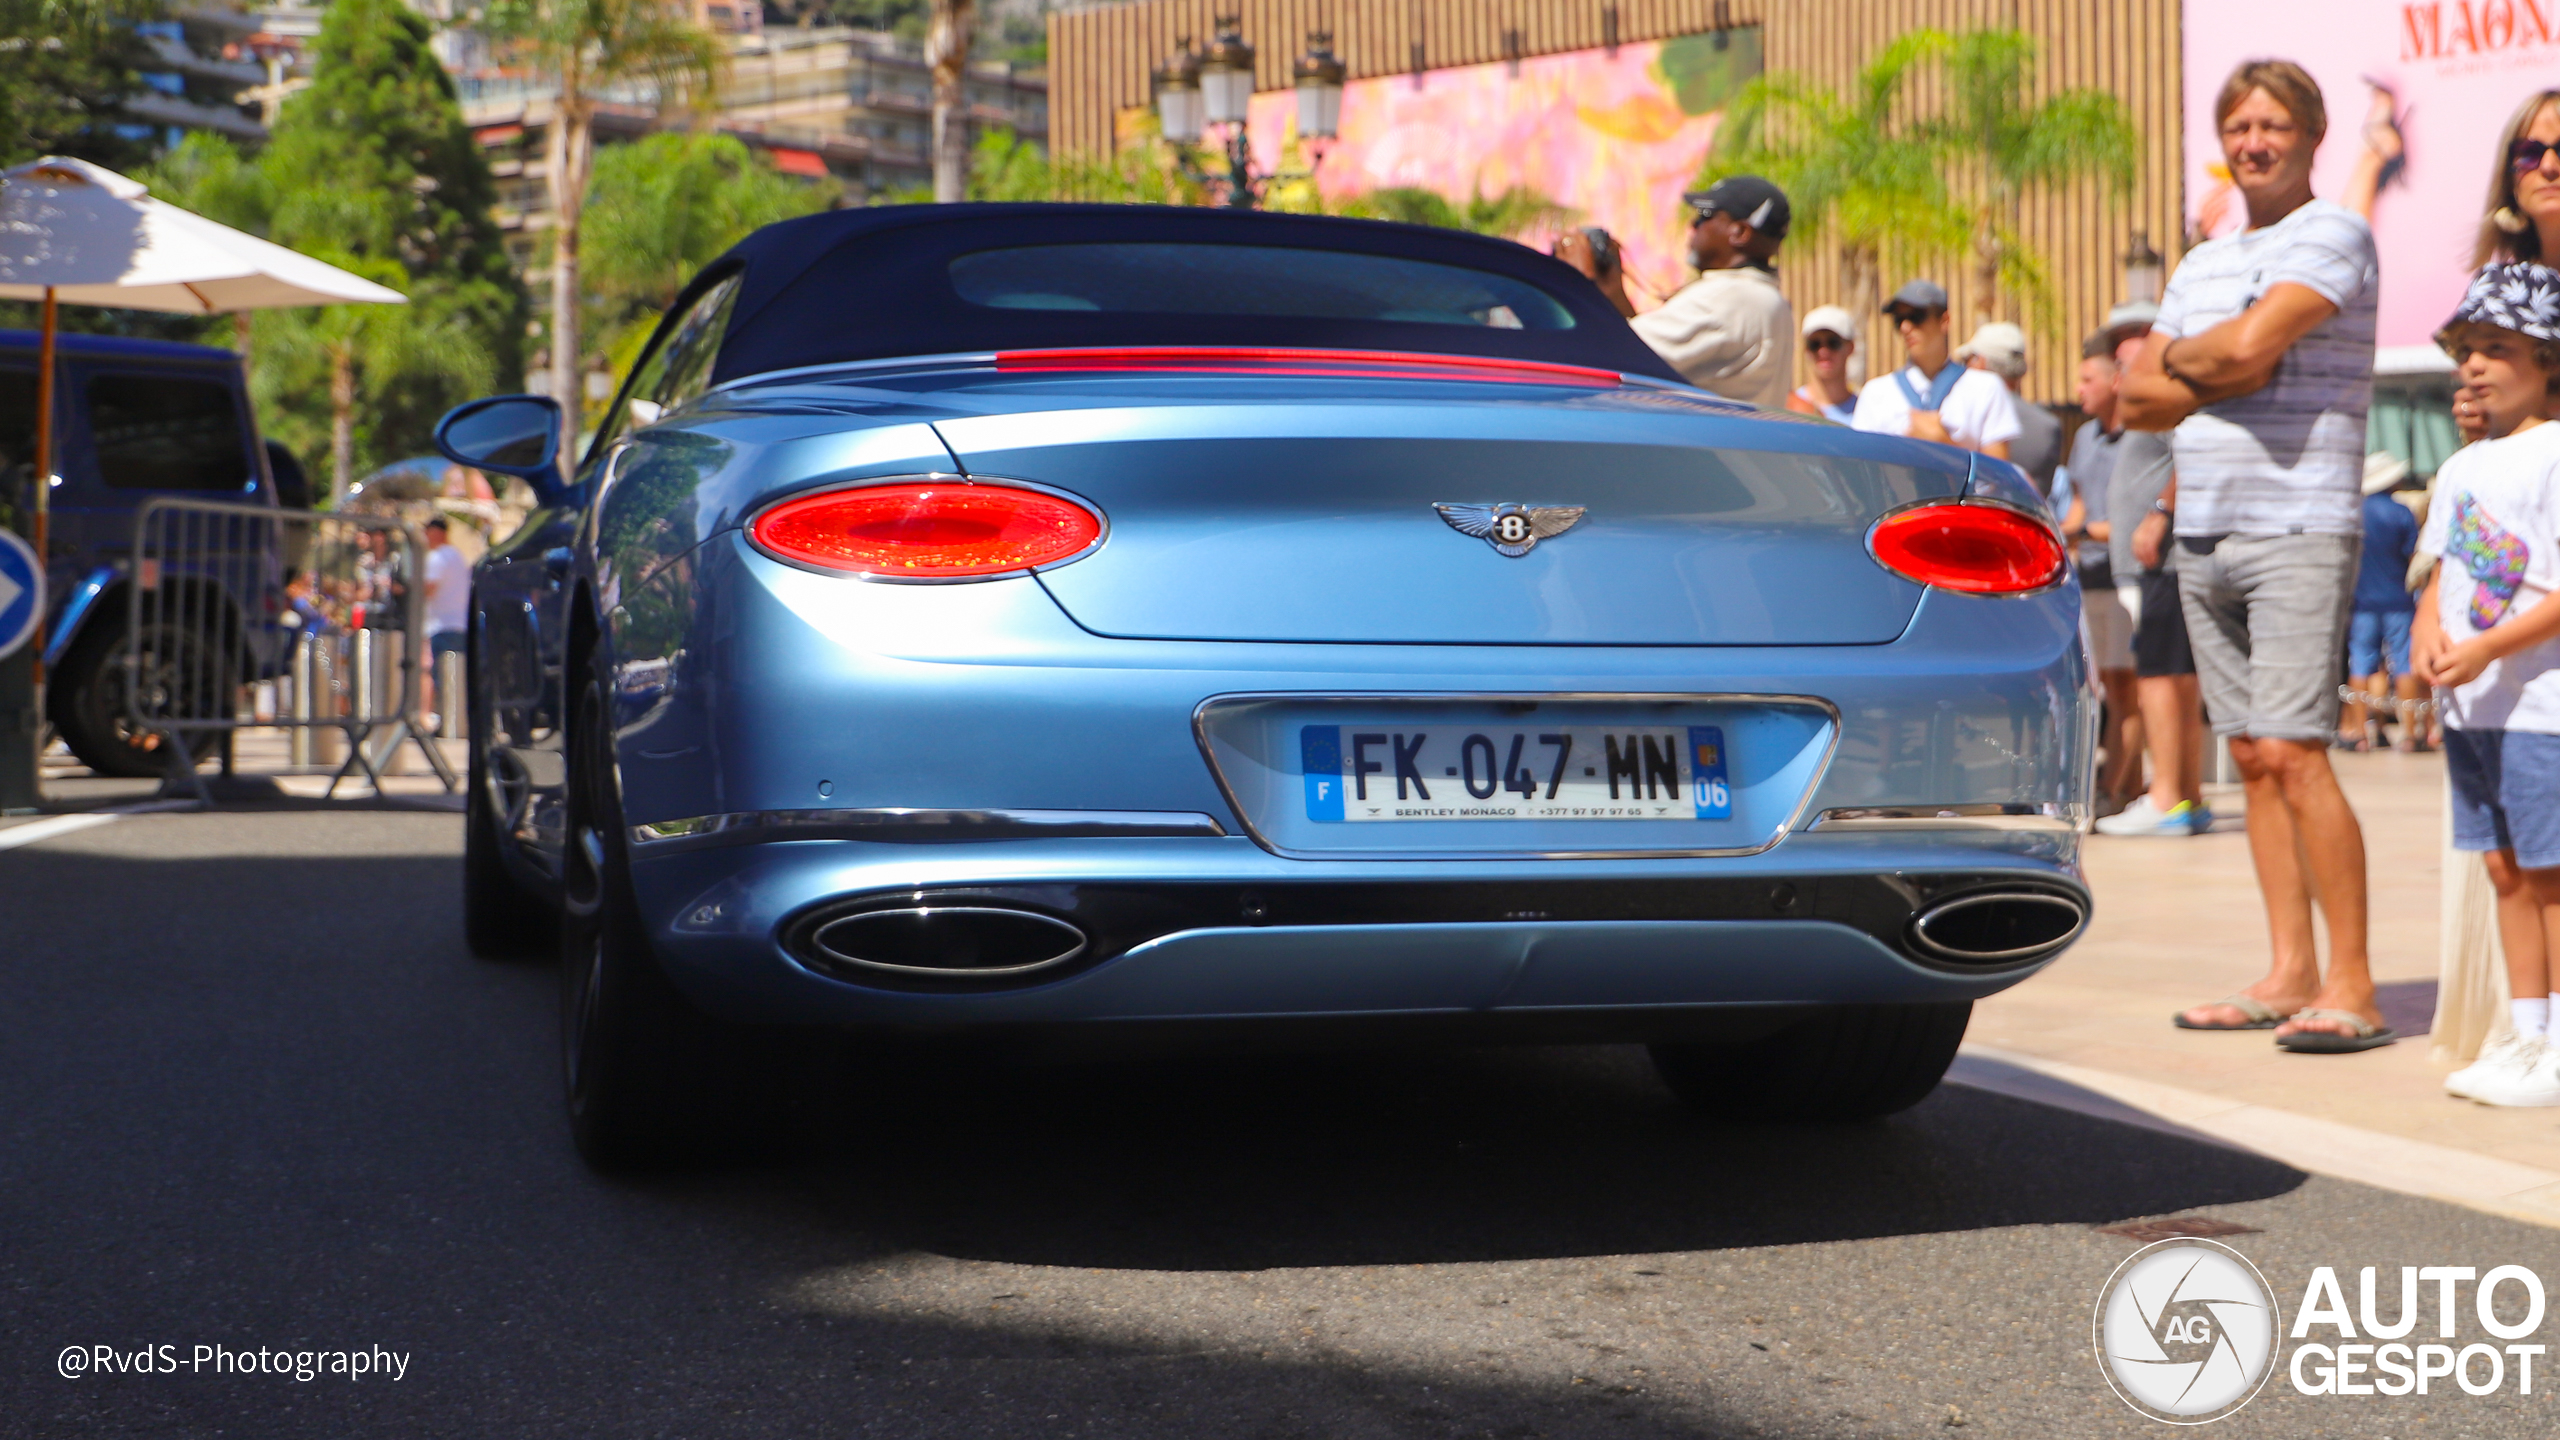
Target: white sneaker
[[2142, 817], [2511, 1051], [2536, 1082]]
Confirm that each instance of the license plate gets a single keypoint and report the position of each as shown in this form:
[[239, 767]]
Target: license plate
[[1359, 773]]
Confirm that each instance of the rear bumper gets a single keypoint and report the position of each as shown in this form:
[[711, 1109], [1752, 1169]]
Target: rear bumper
[[1210, 930]]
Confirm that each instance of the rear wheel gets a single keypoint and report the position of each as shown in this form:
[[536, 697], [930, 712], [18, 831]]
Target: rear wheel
[[1845, 1062], [89, 693], [652, 1082]]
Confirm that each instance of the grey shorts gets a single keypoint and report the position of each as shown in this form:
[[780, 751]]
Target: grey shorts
[[2267, 616]]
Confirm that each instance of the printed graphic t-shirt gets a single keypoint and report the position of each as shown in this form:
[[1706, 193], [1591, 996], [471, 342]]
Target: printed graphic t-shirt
[[2495, 526], [2287, 458]]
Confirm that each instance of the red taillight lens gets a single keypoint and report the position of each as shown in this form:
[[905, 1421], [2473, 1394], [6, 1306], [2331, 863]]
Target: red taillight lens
[[936, 530], [1978, 549]]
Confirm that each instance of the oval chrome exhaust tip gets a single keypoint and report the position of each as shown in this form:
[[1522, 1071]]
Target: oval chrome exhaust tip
[[1998, 927], [949, 942]]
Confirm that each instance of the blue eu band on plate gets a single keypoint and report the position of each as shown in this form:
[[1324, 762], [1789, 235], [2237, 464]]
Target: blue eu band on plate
[[1569, 772]]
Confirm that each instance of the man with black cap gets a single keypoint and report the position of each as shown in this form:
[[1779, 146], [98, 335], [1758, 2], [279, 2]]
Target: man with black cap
[[1935, 397], [1730, 331]]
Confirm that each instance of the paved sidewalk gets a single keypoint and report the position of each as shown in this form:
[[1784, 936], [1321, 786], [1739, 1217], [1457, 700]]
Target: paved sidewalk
[[2178, 923]]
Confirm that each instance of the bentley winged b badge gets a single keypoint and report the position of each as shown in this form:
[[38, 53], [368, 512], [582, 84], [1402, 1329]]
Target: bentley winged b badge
[[1513, 530]]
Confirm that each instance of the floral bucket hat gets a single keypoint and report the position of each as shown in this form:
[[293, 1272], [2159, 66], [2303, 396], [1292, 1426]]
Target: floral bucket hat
[[2522, 297]]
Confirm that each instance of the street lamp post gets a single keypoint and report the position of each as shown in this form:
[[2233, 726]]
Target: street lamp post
[[1213, 86], [2143, 269], [1226, 98], [1177, 87]]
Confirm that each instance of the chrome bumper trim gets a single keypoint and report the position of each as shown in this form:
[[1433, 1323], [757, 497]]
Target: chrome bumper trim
[[902, 825], [1948, 817]]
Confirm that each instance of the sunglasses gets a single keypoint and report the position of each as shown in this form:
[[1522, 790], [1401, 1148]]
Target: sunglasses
[[1819, 343], [2527, 155]]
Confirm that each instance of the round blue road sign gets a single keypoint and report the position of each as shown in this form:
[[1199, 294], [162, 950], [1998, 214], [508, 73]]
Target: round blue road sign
[[21, 593]]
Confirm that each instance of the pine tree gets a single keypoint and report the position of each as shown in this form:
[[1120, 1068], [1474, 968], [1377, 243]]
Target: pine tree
[[373, 163]]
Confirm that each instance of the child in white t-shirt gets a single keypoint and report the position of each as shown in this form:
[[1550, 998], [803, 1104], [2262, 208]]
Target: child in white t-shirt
[[2487, 636]]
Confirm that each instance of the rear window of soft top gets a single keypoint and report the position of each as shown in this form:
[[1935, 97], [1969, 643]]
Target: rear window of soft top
[[1160, 278]]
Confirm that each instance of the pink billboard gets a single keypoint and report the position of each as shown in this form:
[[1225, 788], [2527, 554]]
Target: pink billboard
[[2445, 73], [1615, 135]]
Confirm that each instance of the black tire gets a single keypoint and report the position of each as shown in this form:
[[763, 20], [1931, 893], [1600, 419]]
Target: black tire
[[652, 1083], [500, 919], [87, 697], [1845, 1062]]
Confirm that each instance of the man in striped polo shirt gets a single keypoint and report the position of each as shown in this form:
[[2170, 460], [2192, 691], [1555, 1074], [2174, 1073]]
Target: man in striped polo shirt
[[2261, 366]]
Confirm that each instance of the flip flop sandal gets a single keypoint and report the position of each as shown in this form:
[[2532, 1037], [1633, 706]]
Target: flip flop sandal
[[2367, 1036], [2262, 1016]]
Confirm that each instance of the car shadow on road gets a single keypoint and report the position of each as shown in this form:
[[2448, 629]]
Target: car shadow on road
[[1438, 1156]]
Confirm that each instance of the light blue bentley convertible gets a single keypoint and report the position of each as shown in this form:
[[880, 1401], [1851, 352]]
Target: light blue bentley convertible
[[1072, 622]]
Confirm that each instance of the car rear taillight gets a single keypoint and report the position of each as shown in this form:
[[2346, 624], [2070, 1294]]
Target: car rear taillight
[[1977, 549], [928, 530]]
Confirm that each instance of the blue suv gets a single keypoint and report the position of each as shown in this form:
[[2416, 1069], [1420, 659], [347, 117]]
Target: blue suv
[[134, 420]]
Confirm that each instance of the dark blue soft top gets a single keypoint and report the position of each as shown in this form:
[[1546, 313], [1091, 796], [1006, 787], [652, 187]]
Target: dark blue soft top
[[901, 280], [114, 347]]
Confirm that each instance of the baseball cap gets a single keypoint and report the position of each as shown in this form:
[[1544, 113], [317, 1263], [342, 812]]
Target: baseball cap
[[1921, 295], [1998, 342], [2131, 316], [1747, 198], [1832, 318]]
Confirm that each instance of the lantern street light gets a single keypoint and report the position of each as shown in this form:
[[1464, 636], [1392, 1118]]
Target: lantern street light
[[1319, 77], [2143, 269], [1177, 87], [1213, 86]]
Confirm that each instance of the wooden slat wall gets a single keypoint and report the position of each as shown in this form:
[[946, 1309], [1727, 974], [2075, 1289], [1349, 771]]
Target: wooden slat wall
[[1099, 60]]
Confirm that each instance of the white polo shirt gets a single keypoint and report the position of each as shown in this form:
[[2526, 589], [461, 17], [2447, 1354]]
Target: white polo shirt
[[1978, 412]]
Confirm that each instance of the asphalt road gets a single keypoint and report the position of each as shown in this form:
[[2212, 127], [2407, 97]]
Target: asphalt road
[[255, 1094]]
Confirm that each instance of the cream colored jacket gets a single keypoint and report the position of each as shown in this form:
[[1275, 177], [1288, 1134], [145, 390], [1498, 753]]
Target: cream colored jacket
[[1730, 332]]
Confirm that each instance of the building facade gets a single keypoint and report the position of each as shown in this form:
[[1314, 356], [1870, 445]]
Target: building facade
[[1101, 58]]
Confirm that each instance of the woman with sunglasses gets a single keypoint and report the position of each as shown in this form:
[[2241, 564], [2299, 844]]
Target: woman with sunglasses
[[1830, 338], [2523, 219]]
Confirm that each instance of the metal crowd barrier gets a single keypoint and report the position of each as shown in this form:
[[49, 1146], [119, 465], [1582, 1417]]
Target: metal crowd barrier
[[247, 617]]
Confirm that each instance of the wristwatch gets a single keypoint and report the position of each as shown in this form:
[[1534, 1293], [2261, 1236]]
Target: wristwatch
[[2163, 507]]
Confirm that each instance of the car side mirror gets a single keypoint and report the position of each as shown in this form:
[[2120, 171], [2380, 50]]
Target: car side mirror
[[511, 434]]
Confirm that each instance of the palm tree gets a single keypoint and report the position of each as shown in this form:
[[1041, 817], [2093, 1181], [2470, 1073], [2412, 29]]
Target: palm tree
[[1510, 214], [1989, 124], [946, 49], [1855, 168], [590, 49], [364, 347]]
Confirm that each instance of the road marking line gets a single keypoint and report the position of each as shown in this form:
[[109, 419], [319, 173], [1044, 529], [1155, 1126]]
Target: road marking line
[[39, 830], [2305, 1142], [35, 830]]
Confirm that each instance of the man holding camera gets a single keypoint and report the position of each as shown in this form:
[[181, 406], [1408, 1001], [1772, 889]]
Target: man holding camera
[[1730, 331]]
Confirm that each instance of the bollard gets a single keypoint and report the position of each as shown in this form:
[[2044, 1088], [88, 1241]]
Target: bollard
[[452, 697], [305, 666], [391, 669], [328, 742], [361, 662]]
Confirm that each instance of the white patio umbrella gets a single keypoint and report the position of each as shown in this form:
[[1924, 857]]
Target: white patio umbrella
[[73, 231]]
